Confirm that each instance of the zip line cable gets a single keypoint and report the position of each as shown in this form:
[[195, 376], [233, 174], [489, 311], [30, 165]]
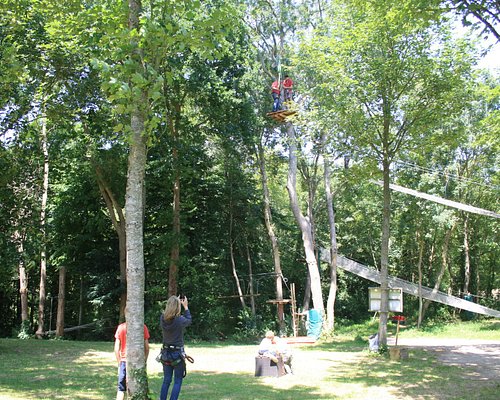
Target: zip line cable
[[447, 174]]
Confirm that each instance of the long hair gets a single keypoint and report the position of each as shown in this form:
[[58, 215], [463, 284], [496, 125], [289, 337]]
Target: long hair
[[172, 309]]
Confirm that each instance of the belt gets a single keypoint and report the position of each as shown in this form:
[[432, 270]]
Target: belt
[[172, 347]]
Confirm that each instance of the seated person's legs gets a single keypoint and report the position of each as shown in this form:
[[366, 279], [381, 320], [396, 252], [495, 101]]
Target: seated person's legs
[[287, 361], [271, 355]]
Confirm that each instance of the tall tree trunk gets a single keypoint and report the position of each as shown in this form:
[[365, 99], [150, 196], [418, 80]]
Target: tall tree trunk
[[444, 265], [233, 263], [80, 305], [137, 380], [478, 288], [272, 236], [306, 301], [173, 271], [304, 223], [23, 277], [23, 284], [332, 293], [421, 244], [43, 210], [384, 252], [23, 291], [250, 277], [136, 367], [467, 271], [61, 302], [118, 221]]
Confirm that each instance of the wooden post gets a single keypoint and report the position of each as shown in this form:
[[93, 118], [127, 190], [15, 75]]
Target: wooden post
[[281, 315], [294, 311], [397, 333]]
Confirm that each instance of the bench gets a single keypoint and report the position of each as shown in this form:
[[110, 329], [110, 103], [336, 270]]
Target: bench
[[264, 366]]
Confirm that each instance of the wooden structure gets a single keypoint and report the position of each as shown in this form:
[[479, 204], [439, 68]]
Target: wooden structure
[[300, 340], [281, 115], [408, 287], [295, 339], [281, 309], [295, 321], [295, 315], [399, 319], [239, 296], [398, 353]]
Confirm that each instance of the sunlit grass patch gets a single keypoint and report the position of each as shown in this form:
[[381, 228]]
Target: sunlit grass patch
[[339, 367]]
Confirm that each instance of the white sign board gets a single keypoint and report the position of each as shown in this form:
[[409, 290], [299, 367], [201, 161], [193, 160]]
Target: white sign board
[[395, 299]]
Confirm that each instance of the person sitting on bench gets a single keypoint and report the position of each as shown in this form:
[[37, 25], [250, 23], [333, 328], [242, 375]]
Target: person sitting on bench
[[268, 347], [275, 348]]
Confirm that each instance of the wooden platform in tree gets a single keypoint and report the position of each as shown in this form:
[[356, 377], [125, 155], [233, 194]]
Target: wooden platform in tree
[[281, 115], [234, 296], [283, 301]]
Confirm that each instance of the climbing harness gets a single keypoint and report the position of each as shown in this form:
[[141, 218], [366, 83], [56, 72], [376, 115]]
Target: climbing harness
[[174, 356]]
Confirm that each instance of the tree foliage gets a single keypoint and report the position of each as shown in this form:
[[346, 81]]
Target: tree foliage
[[381, 81]]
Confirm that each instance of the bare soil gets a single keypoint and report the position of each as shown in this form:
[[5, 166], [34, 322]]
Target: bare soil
[[480, 357]]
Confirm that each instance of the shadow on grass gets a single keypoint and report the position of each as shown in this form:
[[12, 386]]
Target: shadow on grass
[[44, 369], [490, 326], [239, 386], [421, 376], [86, 370]]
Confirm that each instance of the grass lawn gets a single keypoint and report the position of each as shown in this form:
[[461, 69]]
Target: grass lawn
[[340, 368]]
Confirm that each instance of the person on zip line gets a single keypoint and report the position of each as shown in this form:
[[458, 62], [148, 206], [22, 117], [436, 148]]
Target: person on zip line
[[275, 92], [288, 88]]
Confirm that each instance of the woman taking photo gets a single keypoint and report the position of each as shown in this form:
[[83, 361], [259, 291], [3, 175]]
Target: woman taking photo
[[172, 324]]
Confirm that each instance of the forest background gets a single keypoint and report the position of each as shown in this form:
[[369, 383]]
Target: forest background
[[381, 86]]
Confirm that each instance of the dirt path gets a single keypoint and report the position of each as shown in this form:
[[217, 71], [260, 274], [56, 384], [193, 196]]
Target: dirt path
[[481, 357]]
